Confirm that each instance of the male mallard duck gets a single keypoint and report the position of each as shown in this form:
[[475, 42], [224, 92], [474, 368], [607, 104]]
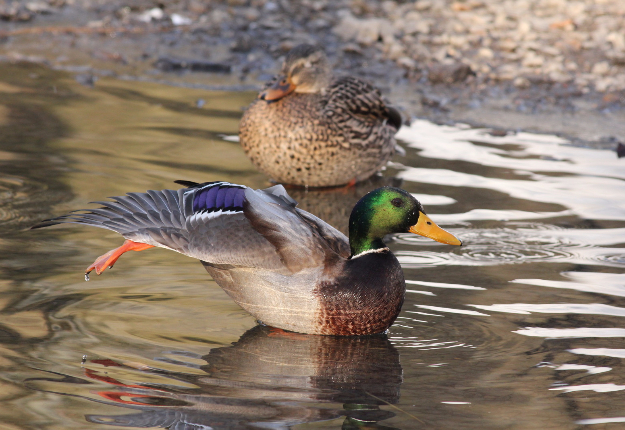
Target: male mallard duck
[[283, 265], [309, 129]]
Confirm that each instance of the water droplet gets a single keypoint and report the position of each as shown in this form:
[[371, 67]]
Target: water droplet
[[87, 276]]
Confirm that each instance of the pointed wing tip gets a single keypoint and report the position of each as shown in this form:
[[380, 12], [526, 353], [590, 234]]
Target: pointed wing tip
[[44, 223], [187, 184]]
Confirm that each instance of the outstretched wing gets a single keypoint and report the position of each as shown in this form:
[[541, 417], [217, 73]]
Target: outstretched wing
[[217, 222]]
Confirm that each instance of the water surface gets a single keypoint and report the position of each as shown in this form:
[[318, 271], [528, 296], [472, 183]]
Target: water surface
[[520, 328]]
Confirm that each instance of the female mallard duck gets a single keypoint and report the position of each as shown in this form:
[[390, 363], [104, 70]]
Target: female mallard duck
[[283, 265], [309, 129]]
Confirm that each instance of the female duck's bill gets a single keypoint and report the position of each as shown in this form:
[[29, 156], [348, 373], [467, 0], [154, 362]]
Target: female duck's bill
[[281, 88]]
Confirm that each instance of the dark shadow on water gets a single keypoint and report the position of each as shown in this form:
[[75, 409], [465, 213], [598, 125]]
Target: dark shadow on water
[[267, 379], [170, 104]]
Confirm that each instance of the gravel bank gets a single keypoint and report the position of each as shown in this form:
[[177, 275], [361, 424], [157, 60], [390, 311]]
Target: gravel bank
[[548, 65]]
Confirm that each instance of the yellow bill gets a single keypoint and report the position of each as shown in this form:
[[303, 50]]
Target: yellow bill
[[426, 227], [281, 88]]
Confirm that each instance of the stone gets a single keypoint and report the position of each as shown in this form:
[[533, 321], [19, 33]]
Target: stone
[[218, 16], [507, 45], [449, 73], [423, 5], [507, 72], [150, 15], [532, 59], [486, 53], [243, 43], [364, 31], [458, 41], [177, 19], [394, 51], [14, 12], [617, 39], [604, 84], [601, 68], [522, 82], [524, 27], [557, 76], [406, 62], [318, 24], [38, 7], [352, 48], [251, 14], [271, 7]]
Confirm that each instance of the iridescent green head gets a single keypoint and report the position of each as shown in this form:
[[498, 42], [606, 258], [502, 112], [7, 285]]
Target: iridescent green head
[[390, 210]]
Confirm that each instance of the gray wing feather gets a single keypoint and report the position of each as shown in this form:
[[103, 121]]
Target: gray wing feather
[[336, 240], [298, 244], [269, 233]]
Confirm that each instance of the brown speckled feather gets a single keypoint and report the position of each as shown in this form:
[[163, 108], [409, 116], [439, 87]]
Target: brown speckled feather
[[342, 133], [357, 108]]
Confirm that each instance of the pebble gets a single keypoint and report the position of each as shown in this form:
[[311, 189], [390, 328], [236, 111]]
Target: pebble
[[486, 53], [406, 62], [449, 73], [150, 15], [178, 19], [601, 68], [522, 82], [364, 31], [15, 12]]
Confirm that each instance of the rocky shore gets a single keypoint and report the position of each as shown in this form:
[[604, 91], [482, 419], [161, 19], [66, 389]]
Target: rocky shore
[[548, 65]]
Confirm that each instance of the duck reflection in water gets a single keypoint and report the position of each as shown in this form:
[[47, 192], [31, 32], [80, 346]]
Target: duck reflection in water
[[267, 379]]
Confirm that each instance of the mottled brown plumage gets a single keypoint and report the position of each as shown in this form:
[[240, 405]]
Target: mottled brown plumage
[[310, 129]]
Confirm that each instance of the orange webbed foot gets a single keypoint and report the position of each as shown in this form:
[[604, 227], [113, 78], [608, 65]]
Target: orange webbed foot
[[108, 260]]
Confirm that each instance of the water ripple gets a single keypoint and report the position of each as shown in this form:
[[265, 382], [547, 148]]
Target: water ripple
[[590, 370], [556, 333], [604, 352], [601, 420], [511, 245], [426, 344], [556, 308], [592, 282], [22, 199], [597, 388]]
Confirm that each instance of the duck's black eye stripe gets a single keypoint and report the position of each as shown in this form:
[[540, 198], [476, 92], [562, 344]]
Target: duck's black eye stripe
[[397, 202]]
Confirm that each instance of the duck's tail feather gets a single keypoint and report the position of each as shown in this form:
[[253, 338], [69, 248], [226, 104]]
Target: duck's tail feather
[[395, 117]]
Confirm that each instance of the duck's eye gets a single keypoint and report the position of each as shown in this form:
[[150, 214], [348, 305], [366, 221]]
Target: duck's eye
[[397, 202], [283, 82]]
